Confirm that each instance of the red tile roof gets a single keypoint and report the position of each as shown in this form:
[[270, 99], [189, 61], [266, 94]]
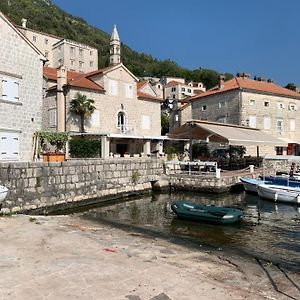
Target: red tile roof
[[249, 84], [75, 79], [148, 97], [173, 83]]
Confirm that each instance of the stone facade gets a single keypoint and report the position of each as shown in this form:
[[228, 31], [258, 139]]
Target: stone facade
[[40, 185], [273, 110], [59, 51], [21, 73]]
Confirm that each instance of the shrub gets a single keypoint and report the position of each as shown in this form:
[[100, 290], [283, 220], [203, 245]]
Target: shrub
[[84, 147]]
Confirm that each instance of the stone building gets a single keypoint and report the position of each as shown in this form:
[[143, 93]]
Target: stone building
[[21, 81], [127, 115], [59, 51], [255, 103]]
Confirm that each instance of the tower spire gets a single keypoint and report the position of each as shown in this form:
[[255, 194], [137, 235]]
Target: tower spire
[[115, 47]]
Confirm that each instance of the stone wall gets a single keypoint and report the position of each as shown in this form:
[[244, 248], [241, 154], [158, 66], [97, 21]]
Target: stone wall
[[37, 185]]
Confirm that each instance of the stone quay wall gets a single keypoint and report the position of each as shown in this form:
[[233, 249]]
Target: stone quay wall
[[38, 185]]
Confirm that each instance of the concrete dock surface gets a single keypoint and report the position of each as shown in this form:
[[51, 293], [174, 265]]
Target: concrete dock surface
[[69, 257]]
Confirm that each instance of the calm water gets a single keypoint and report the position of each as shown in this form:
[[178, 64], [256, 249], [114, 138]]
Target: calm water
[[268, 230]]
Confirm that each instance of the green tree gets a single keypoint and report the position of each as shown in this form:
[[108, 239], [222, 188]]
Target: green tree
[[164, 123], [291, 86], [83, 107]]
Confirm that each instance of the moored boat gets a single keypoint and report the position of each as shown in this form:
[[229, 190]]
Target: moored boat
[[3, 192], [250, 184], [206, 213], [280, 193]]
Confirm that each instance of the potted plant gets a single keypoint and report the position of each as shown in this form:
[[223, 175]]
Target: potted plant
[[57, 141]]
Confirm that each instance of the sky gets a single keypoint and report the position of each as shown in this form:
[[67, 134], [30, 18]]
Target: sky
[[259, 37]]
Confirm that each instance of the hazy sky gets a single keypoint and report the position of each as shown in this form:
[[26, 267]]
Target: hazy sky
[[259, 37]]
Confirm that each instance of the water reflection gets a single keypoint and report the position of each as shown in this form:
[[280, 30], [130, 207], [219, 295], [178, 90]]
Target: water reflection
[[268, 228]]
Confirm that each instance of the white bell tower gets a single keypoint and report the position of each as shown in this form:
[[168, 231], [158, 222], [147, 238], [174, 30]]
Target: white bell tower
[[115, 48]]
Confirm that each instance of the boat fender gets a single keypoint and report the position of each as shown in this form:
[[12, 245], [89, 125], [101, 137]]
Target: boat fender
[[298, 198]]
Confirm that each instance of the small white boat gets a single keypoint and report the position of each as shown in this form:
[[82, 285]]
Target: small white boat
[[279, 193], [250, 184], [3, 192]]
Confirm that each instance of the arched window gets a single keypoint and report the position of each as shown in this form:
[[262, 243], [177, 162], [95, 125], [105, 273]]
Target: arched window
[[121, 121]]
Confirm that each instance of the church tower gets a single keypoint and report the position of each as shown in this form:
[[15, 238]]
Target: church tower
[[115, 48]]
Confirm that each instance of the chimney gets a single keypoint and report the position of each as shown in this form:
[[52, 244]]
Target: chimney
[[61, 78], [221, 82], [24, 22]]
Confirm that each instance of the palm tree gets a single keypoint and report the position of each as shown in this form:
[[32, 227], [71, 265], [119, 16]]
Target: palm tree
[[83, 107]]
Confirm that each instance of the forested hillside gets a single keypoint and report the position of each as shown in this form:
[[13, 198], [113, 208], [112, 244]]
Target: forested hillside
[[44, 16]]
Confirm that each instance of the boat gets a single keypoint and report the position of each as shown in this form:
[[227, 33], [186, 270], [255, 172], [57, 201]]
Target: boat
[[206, 213], [250, 184], [279, 193], [3, 192]]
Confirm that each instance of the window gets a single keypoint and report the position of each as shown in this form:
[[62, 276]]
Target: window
[[91, 63], [52, 117], [252, 121], [72, 50], [222, 104], [266, 103], [221, 120], [129, 90], [267, 122], [80, 52], [279, 150], [121, 122], [203, 107], [9, 145], [46, 41], [173, 89], [145, 122], [10, 89], [280, 105], [173, 96], [81, 65], [72, 61], [279, 127], [252, 102], [292, 124], [60, 62], [91, 52], [189, 90], [292, 107], [183, 89], [46, 53], [158, 86], [34, 38], [113, 87], [94, 119]]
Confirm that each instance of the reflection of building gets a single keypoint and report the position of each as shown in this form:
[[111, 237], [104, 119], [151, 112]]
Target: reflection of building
[[127, 115], [254, 103], [59, 51], [21, 69]]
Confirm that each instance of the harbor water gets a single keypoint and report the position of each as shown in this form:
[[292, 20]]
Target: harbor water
[[269, 231]]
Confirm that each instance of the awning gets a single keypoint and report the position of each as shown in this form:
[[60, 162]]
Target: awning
[[224, 133]]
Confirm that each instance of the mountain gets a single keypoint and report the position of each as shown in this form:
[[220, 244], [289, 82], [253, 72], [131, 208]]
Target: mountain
[[43, 15]]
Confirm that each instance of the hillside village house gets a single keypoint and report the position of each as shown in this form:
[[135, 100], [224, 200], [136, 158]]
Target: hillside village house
[[59, 51], [21, 82], [254, 103], [127, 115]]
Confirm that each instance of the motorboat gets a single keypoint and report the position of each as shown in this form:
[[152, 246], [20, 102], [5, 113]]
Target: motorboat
[[206, 213], [3, 193], [279, 193], [250, 184]]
